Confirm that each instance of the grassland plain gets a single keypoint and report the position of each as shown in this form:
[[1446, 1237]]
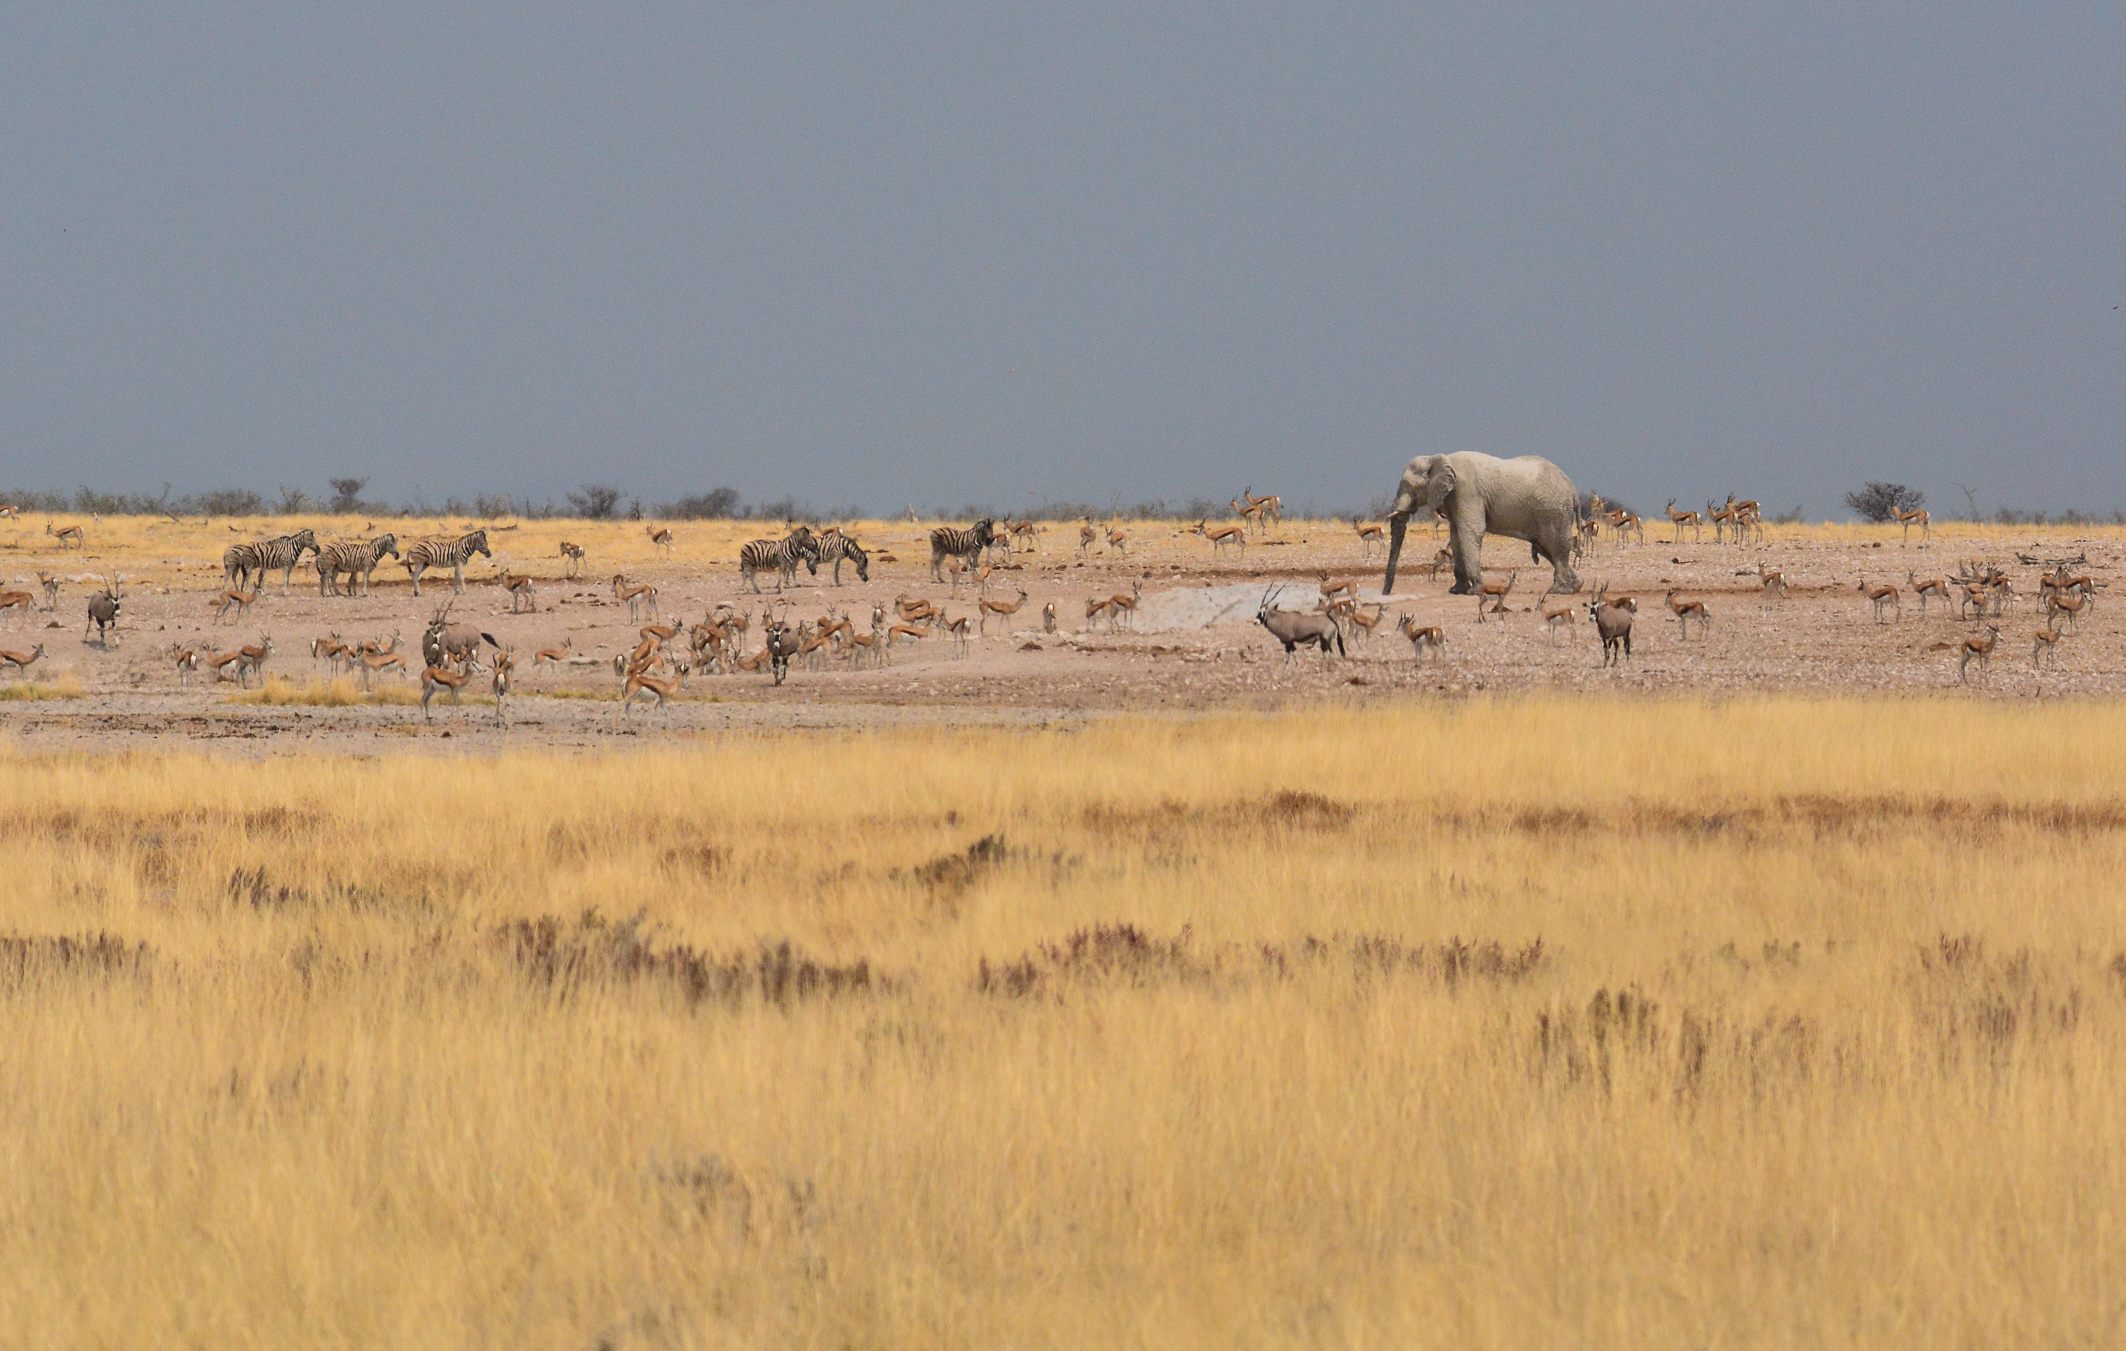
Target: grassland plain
[[1525, 1022]]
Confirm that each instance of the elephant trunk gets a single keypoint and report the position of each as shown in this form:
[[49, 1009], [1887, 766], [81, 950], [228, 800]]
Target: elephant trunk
[[1398, 526]]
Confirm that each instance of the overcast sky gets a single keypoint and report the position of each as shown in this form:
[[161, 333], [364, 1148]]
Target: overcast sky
[[879, 253]]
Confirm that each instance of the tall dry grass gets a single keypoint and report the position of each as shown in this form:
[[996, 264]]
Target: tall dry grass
[[1520, 1023]]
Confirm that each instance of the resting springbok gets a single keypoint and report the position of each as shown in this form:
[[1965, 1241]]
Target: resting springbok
[[1979, 650], [1883, 595], [1496, 593], [554, 656], [1687, 610]]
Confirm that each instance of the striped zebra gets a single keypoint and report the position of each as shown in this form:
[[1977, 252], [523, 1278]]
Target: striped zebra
[[240, 561], [834, 546], [443, 552], [781, 555], [356, 558], [950, 542]]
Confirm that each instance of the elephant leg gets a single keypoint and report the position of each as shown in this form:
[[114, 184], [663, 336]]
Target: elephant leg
[[1466, 542], [1554, 546]]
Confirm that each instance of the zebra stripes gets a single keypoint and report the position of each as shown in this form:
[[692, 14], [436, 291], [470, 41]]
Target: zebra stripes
[[950, 542], [356, 558], [442, 552], [835, 546], [239, 561], [781, 555]]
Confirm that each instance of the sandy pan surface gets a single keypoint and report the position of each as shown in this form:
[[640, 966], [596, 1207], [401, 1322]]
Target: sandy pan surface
[[1194, 646]]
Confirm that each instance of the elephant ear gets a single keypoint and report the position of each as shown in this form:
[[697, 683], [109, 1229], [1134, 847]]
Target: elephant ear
[[1440, 484]]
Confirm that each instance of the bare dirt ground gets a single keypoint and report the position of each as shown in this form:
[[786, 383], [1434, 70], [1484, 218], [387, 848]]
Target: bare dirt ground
[[1195, 645]]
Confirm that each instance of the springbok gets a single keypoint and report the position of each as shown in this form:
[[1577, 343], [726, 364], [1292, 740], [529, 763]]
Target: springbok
[[21, 660], [661, 536], [574, 554], [70, 535], [1496, 593], [238, 601], [1086, 537], [1422, 637], [1936, 588], [1679, 519], [1687, 610], [1119, 542], [1979, 650], [51, 590], [18, 600], [1370, 537], [519, 587], [1222, 535], [642, 594], [1555, 621], [1908, 519], [187, 659], [2068, 605], [1774, 582], [2046, 645], [1048, 617], [441, 678], [1882, 595], [554, 656], [1001, 609]]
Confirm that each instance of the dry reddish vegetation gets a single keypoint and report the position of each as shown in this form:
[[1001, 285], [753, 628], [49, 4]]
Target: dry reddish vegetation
[[1508, 1022]]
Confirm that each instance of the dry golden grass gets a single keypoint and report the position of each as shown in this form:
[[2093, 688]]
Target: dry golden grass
[[1521, 1023], [65, 687], [338, 692]]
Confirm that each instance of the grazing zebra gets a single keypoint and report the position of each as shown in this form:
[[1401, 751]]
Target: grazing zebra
[[950, 542], [781, 555], [440, 552], [835, 546], [239, 561], [356, 558]]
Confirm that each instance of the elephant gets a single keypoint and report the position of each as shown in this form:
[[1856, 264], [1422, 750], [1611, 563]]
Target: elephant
[[1528, 498]]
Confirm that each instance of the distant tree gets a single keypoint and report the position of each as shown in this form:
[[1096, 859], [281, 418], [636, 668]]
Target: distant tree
[[634, 509], [230, 502], [347, 495], [717, 504], [294, 501], [596, 502], [1879, 502]]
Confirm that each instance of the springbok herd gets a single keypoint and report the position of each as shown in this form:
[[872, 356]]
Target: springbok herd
[[708, 605]]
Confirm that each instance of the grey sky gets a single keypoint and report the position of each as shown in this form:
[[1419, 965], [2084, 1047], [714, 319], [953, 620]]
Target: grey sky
[[881, 253]]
